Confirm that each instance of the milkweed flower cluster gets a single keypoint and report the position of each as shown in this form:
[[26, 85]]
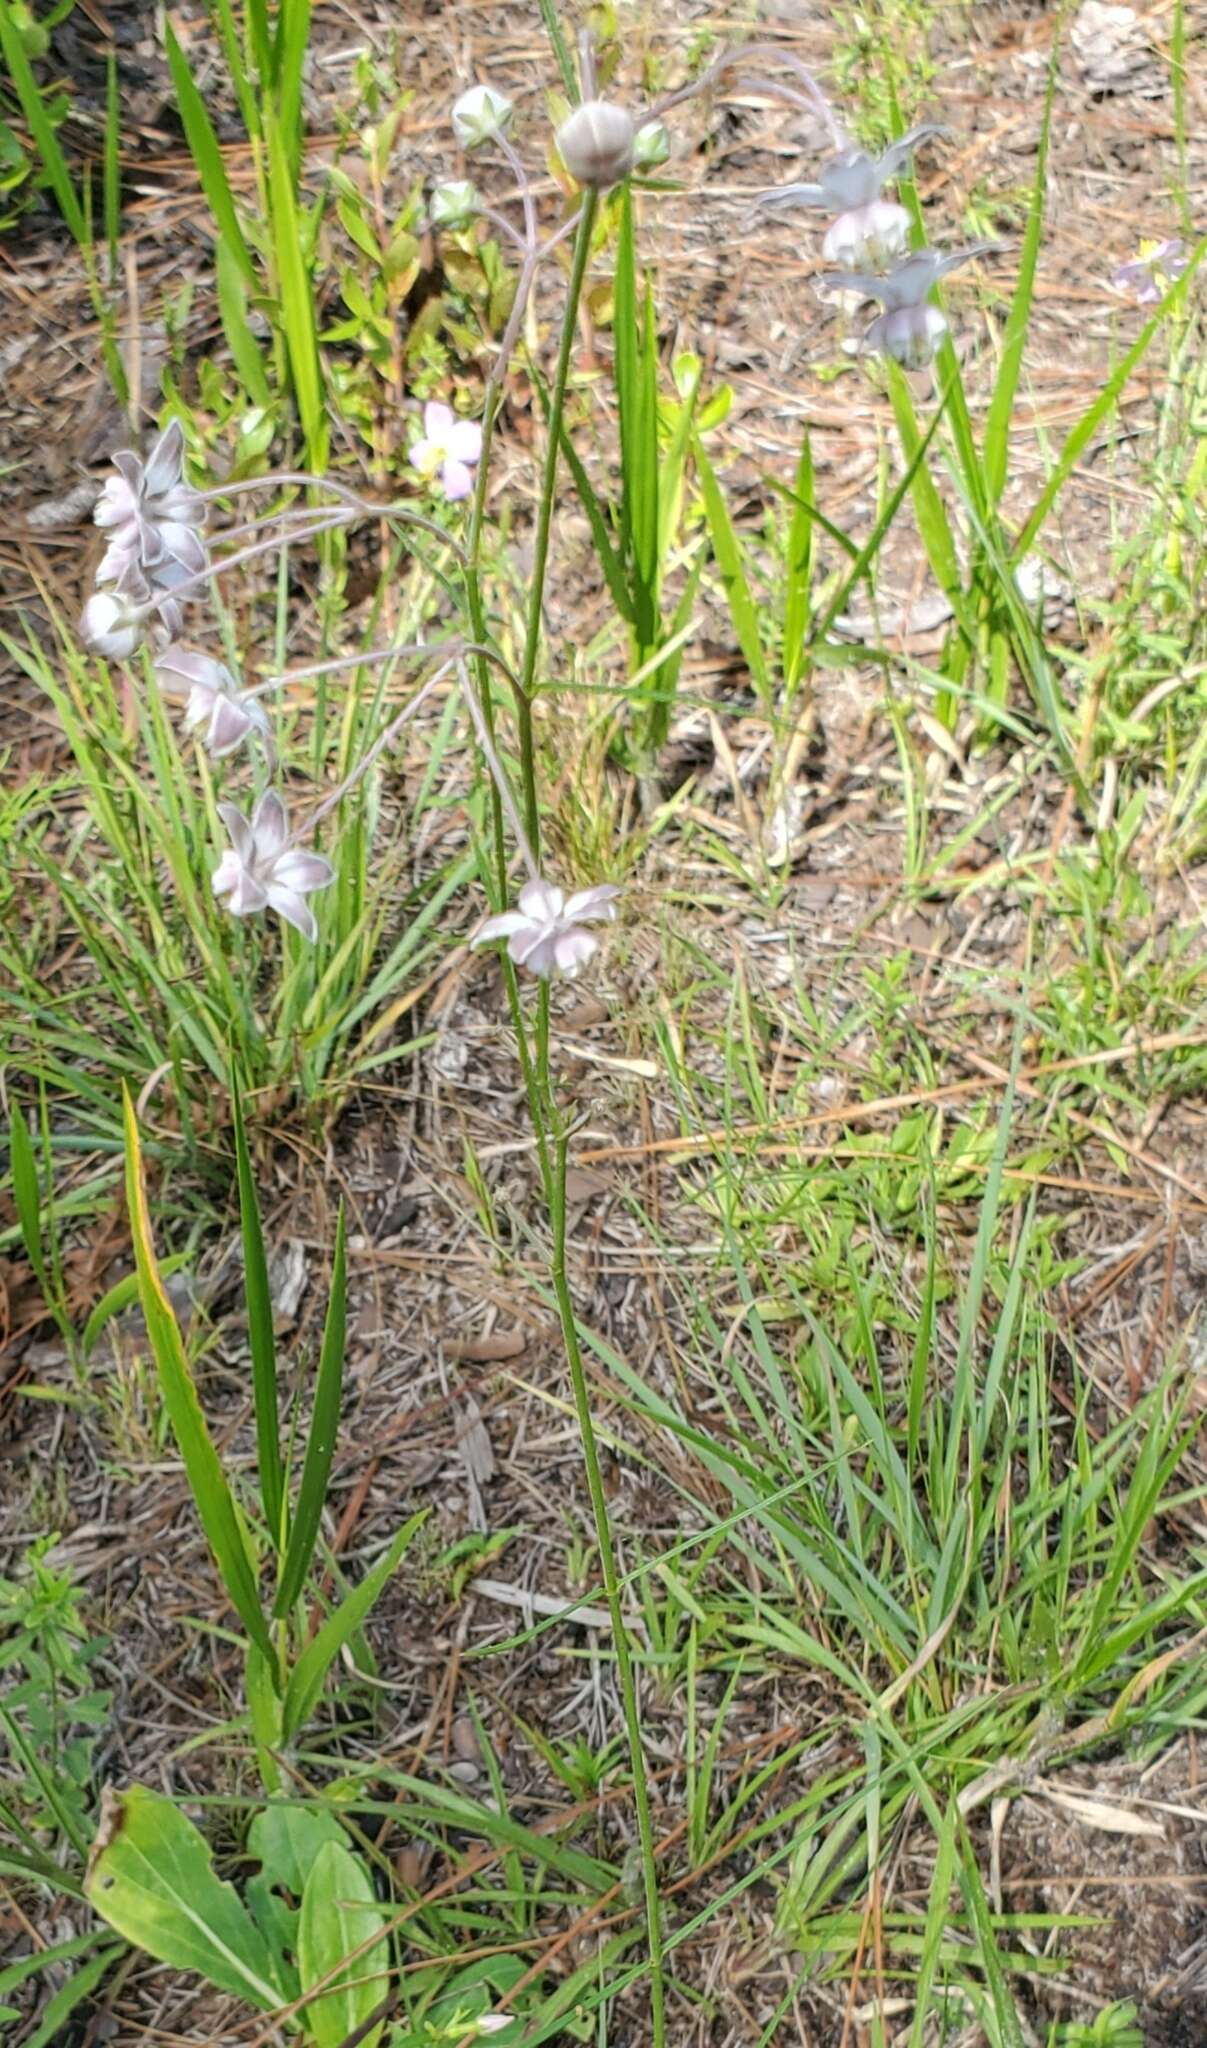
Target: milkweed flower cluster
[[868, 242], [546, 933]]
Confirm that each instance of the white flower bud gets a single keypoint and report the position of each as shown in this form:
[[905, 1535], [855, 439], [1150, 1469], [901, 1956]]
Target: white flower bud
[[909, 334], [455, 204], [651, 146], [868, 237], [597, 144], [112, 625], [481, 115]]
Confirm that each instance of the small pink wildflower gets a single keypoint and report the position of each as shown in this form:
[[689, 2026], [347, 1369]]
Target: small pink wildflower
[[1158, 265], [262, 871], [449, 448], [545, 934]]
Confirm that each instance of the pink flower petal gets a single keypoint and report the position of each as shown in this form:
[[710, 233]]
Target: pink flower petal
[[163, 463], [420, 456], [533, 950], [437, 419], [573, 949], [542, 900], [269, 826], [458, 481], [500, 927], [597, 902], [463, 442], [300, 871], [240, 832]]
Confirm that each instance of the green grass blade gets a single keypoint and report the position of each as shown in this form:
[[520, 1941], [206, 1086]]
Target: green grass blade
[[297, 299], [863, 557], [730, 560], [261, 1336], [324, 1425], [306, 1678], [798, 568], [1097, 411], [289, 56], [112, 167], [207, 156], [215, 1504], [46, 141], [1001, 405], [27, 1195], [565, 65], [930, 511], [232, 295]]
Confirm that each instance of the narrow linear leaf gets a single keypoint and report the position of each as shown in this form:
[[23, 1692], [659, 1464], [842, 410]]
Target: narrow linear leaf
[[211, 1493], [207, 156], [261, 1336], [324, 1427], [297, 297], [730, 560], [1001, 405], [77, 1987], [26, 1193], [306, 1678], [46, 141], [798, 568]]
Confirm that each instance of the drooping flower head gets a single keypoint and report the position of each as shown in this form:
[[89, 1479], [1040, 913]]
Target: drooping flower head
[[869, 231], [262, 871], [1158, 265], [114, 622], [449, 449], [153, 516], [546, 933], [213, 700], [454, 204], [909, 329]]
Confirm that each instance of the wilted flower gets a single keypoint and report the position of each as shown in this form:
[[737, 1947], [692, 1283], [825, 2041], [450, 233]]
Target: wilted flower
[[113, 624], [869, 231], [262, 871], [545, 934], [597, 143], [481, 115], [909, 329], [152, 515], [651, 146], [454, 204], [1158, 265], [449, 448], [215, 700]]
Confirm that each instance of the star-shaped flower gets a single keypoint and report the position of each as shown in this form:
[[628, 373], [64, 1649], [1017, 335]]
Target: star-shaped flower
[[546, 933], [214, 700], [1158, 265], [909, 329], [153, 516], [262, 871], [449, 448]]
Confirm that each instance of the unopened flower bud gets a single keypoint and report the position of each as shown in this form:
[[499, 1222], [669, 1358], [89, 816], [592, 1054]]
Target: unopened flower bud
[[597, 144], [112, 625], [454, 205], [651, 146], [481, 115]]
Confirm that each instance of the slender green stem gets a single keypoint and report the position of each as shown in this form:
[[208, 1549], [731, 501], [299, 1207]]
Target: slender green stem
[[607, 1559], [540, 557]]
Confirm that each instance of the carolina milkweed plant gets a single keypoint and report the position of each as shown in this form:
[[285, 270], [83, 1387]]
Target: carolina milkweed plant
[[241, 795]]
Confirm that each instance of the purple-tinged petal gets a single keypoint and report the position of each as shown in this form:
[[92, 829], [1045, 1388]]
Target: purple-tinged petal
[[295, 910], [424, 455], [270, 828], [597, 902], [533, 950], [241, 835], [245, 895], [229, 727], [463, 442], [301, 871], [781, 198], [572, 950], [500, 927], [162, 468], [541, 900]]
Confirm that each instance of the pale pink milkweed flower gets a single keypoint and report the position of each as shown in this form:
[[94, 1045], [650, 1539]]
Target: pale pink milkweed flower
[[153, 516], [449, 448], [214, 700], [869, 231], [262, 871], [546, 934], [1158, 265], [909, 329]]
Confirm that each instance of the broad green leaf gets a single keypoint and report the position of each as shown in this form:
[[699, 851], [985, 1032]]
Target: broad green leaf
[[261, 1336], [207, 156], [324, 1428], [212, 1495], [286, 1840], [151, 1877], [306, 1678], [730, 560], [339, 1913]]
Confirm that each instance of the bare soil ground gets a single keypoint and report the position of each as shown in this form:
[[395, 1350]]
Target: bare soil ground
[[458, 1392]]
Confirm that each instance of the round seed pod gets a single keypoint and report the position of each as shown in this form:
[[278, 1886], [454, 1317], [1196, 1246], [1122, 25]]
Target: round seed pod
[[597, 144]]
